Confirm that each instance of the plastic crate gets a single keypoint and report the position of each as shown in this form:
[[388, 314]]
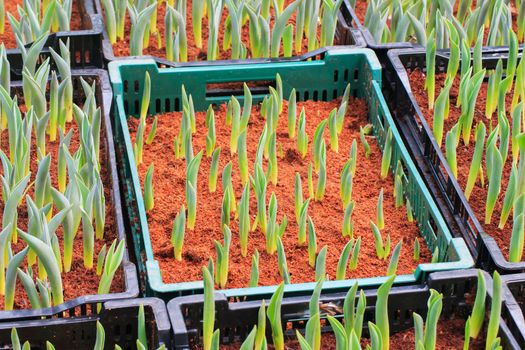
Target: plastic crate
[[321, 79], [381, 49], [514, 292], [74, 326], [432, 162], [85, 45], [236, 320], [129, 271], [346, 33]]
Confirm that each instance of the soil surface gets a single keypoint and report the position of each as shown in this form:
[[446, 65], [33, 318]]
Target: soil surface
[[465, 152], [79, 281], [157, 49], [327, 215], [8, 37]]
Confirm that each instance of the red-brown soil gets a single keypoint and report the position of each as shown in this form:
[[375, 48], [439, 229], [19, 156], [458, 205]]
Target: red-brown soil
[[327, 215], [8, 37], [79, 281], [464, 153]]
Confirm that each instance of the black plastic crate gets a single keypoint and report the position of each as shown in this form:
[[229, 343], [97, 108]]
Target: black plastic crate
[[432, 162], [104, 97], [347, 33], [236, 320], [85, 46], [74, 326], [514, 291], [381, 49]]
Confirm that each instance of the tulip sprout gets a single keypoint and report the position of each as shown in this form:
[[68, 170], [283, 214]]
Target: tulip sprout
[[343, 261], [382, 250], [214, 170], [244, 219], [254, 275], [283, 266], [302, 137], [495, 311], [223, 257], [192, 170], [380, 218], [387, 154], [312, 243], [428, 335], [209, 310], [348, 226], [177, 233], [274, 316], [417, 249], [301, 222], [394, 259], [148, 189]]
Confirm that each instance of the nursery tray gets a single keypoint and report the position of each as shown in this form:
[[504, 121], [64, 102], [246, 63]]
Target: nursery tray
[[236, 320], [129, 271], [514, 293], [85, 46], [321, 79], [73, 325], [430, 159], [346, 33]]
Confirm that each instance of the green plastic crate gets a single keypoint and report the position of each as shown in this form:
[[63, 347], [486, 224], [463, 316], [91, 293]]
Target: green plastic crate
[[324, 78]]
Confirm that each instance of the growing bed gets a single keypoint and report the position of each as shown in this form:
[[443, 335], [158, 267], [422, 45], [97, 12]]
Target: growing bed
[[487, 241], [345, 34], [80, 284], [330, 73]]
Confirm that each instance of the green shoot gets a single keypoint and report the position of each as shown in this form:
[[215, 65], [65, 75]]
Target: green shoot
[[148, 189]]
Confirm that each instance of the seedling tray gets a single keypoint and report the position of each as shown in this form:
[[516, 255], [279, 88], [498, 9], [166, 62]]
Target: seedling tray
[[321, 79], [432, 162], [129, 271], [73, 326], [236, 320], [346, 33], [85, 46]]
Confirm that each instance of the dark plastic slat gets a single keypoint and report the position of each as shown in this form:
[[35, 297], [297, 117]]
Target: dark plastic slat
[[78, 330]]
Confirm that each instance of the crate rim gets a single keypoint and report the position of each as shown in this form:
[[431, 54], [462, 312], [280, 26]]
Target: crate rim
[[483, 239], [154, 279], [129, 271]]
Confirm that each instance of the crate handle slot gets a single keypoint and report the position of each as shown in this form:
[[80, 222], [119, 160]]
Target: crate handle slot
[[236, 88]]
